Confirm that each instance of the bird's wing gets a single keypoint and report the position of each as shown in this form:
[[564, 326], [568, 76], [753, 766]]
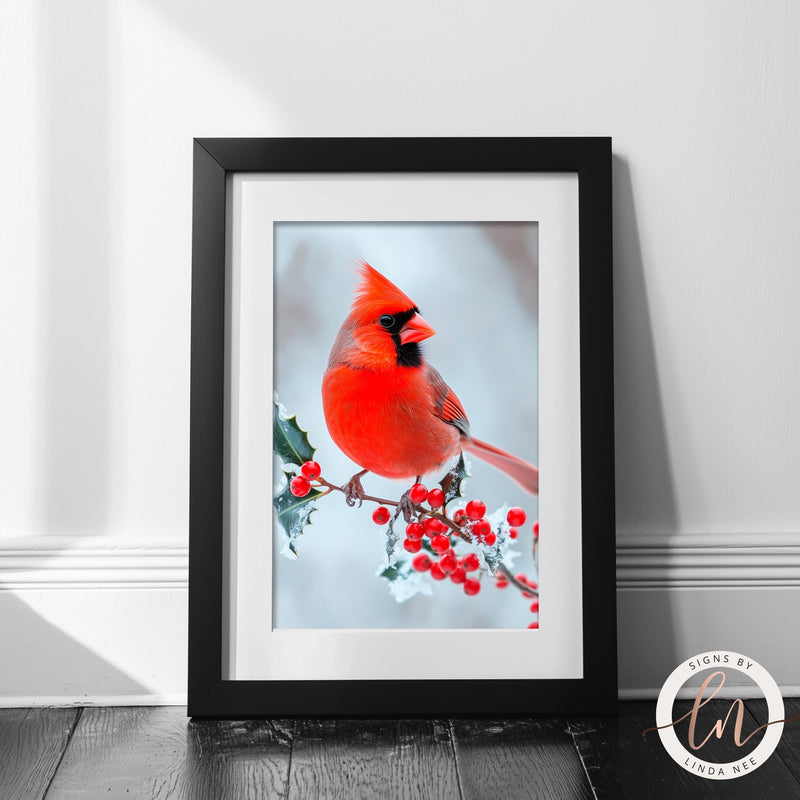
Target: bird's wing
[[447, 406]]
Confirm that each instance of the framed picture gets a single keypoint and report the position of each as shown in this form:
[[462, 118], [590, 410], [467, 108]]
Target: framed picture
[[392, 340]]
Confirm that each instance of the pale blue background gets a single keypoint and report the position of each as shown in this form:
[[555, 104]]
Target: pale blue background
[[477, 284]]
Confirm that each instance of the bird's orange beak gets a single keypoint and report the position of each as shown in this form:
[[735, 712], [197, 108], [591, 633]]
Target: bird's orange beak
[[415, 330]]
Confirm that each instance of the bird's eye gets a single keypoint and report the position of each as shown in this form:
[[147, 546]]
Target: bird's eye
[[387, 320]]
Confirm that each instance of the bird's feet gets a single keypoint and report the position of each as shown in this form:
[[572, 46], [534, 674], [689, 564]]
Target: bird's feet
[[406, 507], [353, 490]]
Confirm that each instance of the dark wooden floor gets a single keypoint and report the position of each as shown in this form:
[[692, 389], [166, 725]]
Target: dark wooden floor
[[158, 753]]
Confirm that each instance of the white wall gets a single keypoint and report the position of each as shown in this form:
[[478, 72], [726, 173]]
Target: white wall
[[100, 102]]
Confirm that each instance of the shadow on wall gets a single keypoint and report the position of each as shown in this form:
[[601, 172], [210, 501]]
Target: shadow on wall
[[645, 492], [251, 38], [645, 487], [76, 362], [40, 661]]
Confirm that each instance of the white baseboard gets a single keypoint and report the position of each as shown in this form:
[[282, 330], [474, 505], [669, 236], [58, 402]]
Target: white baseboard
[[102, 620], [705, 560], [644, 560], [679, 595], [91, 562], [93, 620]]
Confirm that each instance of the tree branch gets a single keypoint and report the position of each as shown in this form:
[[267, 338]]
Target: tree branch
[[506, 573], [442, 517]]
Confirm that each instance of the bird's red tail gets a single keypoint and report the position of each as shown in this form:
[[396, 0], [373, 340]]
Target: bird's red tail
[[525, 474]]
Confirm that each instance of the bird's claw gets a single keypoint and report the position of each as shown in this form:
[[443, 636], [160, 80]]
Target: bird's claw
[[353, 491], [406, 507]]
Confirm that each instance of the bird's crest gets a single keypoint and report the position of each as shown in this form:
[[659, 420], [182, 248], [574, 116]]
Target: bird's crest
[[377, 295]]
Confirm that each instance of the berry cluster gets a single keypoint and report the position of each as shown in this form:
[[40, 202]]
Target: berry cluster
[[442, 561], [433, 530], [449, 564], [301, 484], [472, 518]]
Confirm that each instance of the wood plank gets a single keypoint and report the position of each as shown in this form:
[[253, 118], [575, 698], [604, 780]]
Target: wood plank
[[788, 749], [157, 753], [32, 741], [365, 759], [518, 759], [621, 763]]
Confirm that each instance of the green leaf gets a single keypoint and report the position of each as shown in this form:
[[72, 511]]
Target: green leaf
[[451, 483], [289, 441], [294, 512], [394, 572], [405, 582]]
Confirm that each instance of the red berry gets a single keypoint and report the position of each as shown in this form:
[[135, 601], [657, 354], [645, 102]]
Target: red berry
[[432, 526], [437, 573], [448, 562], [458, 575], [418, 493], [536, 529], [535, 606], [311, 470], [481, 528], [534, 625], [471, 586], [460, 516], [300, 486], [422, 563], [435, 498], [412, 545], [513, 533], [502, 583], [471, 562], [414, 531], [380, 516], [490, 538], [476, 509], [516, 516], [440, 543], [521, 577]]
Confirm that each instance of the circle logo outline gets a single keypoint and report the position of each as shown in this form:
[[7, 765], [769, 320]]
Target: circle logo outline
[[710, 770]]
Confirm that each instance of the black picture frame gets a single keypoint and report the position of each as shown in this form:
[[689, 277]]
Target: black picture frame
[[215, 161]]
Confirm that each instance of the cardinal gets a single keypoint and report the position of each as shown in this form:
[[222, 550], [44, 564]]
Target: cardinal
[[388, 409]]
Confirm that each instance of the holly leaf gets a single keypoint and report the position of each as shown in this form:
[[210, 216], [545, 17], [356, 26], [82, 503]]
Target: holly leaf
[[492, 555], [405, 581], [499, 551], [289, 441], [294, 512], [451, 483], [394, 572]]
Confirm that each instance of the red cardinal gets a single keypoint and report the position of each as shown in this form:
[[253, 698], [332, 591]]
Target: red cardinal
[[388, 409]]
